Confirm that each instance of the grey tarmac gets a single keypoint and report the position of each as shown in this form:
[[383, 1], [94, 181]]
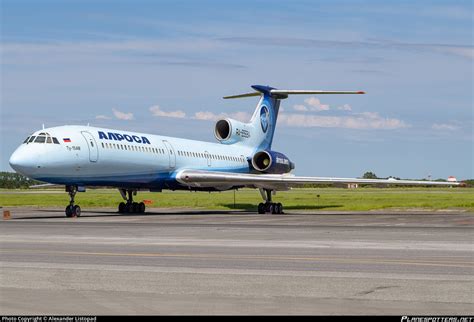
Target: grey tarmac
[[182, 261]]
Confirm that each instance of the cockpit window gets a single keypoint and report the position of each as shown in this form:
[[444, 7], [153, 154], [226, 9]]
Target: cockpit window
[[40, 139]]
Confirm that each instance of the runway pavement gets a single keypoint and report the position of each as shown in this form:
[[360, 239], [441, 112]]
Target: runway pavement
[[177, 261]]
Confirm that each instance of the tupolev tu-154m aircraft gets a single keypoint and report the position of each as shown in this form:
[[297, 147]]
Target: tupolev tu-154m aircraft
[[79, 156]]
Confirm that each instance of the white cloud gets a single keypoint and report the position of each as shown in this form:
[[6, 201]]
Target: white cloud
[[345, 107], [241, 116], [157, 111], [102, 117], [445, 127], [315, 104], [300, 108], [122, 115], [209, 116], [206, 116], [362, 121], [466, 52]]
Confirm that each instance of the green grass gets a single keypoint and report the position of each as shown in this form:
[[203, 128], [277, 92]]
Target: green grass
[[330, 198]]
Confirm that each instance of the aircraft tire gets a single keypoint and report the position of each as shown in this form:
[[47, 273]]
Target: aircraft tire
[[141, 207], [76, 211], [271, 208], [279, 208], [135, 207], [68, 211]]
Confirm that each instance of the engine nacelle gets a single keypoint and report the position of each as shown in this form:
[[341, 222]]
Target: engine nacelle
[[229, 131], [272, 162]]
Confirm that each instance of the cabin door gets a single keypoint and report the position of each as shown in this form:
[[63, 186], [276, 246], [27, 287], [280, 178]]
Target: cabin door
[[92, 145], [171, 154], [208, 157]]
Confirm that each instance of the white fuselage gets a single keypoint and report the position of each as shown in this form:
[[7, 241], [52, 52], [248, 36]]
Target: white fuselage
[[84, 155]]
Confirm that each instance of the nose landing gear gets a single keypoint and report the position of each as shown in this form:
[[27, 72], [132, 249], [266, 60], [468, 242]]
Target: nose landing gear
[[129, 206], [72, 210], [269, 206]]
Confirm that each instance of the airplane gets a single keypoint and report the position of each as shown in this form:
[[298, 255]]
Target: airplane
[[78, 156]]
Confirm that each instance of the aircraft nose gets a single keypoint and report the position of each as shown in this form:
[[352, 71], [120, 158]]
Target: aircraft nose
[[21, 162]]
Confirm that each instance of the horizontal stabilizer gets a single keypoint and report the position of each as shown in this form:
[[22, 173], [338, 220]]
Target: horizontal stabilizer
[[243, 95], [298, 91], [283, 93]]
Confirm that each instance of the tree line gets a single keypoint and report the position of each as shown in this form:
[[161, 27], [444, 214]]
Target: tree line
[[13, 180]]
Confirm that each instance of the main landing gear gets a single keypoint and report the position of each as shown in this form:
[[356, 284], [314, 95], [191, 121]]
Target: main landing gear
[[72, 210], [269, 206], [129, 206]]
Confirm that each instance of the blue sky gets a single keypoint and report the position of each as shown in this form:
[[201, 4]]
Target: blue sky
[[162, 67]]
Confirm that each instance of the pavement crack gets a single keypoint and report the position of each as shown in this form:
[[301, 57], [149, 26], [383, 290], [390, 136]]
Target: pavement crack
[[373, 290]]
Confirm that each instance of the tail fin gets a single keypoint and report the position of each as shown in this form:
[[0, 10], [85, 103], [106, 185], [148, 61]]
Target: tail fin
[[265, 116]]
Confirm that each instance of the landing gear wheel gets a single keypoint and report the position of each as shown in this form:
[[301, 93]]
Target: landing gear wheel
[[135, 207], [141, 207], [268, 206], [76, 211], [271, 208], [276, 209], [279, 208], [129, 206], [69, 211]]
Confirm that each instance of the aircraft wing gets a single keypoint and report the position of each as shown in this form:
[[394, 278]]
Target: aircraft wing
[[200, 178]]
